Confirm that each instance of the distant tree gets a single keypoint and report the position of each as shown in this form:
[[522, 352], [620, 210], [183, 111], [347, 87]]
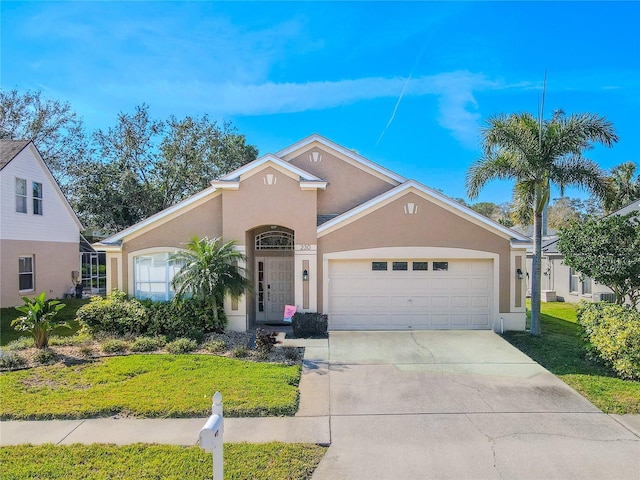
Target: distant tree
[[488, 209], [564, 211], [55, 129], [535, 154], [142, 166], [606, 250], [623, 187], [210, 272]]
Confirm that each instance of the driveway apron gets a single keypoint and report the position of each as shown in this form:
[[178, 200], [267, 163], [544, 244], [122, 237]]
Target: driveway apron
[[461, 404]]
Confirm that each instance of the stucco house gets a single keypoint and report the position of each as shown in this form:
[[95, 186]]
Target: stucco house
[[329, 231], [39, 232], [563, 283]]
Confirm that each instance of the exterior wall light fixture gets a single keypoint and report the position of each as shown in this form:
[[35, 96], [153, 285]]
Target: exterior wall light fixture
[[305, 275], [519, 274]]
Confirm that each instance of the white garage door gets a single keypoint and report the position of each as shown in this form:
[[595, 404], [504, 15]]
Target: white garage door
[[410, 294]]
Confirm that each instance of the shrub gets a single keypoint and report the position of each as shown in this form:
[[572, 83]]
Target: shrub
[[309, 324], [11, 360], [189, 318], [21, 343], [114, 314], [265, 340], [182, 345], [148, 344], [240, 352], [115, 346], [39, 319], [612, 332], [291, 353], [45, 355], [86, 350], [215, 346], [77, 339]]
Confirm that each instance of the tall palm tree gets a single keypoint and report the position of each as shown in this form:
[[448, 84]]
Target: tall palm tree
[[209, 273], [534, 154]]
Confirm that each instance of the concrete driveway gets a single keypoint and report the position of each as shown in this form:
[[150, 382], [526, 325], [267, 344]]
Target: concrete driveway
[[447, 404]]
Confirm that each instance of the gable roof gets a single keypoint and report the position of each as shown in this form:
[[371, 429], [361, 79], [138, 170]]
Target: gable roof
[[9, 149], [633, 206], [354, 158], [428, 193]]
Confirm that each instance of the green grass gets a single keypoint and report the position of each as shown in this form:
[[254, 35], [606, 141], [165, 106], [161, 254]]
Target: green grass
[[150, 386], [274, 461], [7, 315], [561, 351]]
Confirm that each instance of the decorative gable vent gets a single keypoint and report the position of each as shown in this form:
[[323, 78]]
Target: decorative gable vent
[[410, 208], [315, 157], [270, 179]]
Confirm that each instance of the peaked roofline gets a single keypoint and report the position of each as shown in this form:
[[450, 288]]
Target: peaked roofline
[[344, 151], [304, 175], [345, 217], [117, 237], [4, 163], [49, 175]]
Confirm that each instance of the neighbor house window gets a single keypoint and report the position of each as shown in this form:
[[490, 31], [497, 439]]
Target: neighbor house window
[[37, 198], [25, 273], [152, 275], [573, 281], [21, 195], [420, 266], [440, 266], [400, 265], [378, 266], [586, 286]]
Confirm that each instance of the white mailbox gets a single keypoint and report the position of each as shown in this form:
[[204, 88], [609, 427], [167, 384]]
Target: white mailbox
[[211, 434]]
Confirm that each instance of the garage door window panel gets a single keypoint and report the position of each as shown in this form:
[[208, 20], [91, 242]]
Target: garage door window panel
[[379, 266], [400, 266], [440, 266]]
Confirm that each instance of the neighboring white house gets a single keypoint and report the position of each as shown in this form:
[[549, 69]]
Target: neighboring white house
[[563, 283], [39, 232]]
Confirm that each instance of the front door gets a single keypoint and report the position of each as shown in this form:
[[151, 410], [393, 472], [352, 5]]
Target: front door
[[274, 287]]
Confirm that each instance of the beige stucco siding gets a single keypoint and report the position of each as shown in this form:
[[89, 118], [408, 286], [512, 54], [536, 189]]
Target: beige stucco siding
[[257, 203], [348, 186], [431, 226], [53, 264], [203, 220]]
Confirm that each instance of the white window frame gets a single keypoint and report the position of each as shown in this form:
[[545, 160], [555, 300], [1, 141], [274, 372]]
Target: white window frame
[[30, 273], [37, 200], [156, 294], [574, 281], [587, 286], [21, 198]]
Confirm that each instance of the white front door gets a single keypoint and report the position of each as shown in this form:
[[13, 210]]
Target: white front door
[[274, 287]]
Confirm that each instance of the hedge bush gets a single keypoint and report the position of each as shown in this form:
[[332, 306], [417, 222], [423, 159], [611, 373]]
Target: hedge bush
[[114, 314], [189, 318], [309, 324], [612, 332]]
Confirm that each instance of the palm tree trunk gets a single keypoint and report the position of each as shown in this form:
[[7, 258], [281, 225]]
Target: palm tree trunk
[[536, 274]]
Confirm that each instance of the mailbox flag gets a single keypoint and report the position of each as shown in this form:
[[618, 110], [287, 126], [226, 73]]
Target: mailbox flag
[[289, 311]]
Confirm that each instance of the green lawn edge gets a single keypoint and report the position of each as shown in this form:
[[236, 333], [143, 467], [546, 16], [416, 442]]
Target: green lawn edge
[[150, 386], [273, 461], [561, 350]]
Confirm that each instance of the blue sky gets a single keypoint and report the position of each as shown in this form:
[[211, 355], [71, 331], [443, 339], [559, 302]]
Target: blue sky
[[407, 85]]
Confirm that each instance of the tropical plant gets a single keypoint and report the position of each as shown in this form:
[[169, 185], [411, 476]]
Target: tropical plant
[[606, 249], [210, 272], [536, 153], [39, 319], [623, 187]]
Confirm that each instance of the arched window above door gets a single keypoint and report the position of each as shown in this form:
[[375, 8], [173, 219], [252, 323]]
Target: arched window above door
[[274, 240]]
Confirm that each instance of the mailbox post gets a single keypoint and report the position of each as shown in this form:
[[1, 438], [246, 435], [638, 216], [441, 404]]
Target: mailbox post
[[211, 434]]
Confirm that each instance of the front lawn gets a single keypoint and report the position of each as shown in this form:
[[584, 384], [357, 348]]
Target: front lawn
[[7, 315], [273, 461], [561, 351], [157, 385]]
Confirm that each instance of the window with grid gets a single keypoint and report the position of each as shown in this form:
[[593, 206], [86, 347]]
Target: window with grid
[[21, 195], [25, 273], [37, 198]]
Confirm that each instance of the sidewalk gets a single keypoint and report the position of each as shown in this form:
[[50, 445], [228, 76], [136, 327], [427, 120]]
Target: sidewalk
[[310, 425]]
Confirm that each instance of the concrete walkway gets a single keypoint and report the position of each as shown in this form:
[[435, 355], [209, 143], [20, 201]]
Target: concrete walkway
[[410, 405]]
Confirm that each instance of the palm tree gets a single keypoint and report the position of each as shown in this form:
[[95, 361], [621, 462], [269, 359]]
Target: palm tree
[[624, 187], [536, 154], [209, 273]]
